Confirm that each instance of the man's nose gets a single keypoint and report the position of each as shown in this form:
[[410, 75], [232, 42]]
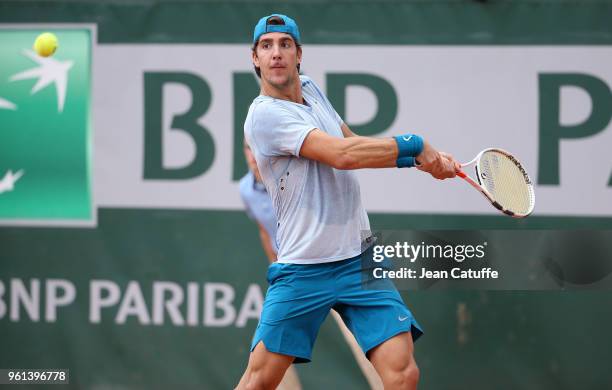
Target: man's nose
[[276, 52]]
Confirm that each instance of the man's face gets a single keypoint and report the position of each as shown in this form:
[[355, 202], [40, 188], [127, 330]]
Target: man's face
[[277, 57]]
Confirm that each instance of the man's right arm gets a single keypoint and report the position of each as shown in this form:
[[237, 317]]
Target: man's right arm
[[367, 152]]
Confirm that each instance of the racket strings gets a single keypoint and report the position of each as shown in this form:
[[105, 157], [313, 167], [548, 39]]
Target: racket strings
[[505, 181]]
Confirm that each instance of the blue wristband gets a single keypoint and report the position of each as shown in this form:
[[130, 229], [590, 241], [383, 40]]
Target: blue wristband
[[409, 145], [405, 162]]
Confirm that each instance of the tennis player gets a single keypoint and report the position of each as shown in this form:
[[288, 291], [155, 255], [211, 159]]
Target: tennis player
[[305, 154]]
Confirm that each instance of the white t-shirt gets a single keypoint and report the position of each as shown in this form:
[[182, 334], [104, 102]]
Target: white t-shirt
[[318, 208]]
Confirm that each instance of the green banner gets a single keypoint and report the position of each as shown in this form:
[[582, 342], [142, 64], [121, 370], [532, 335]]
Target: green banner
[[45, 141]]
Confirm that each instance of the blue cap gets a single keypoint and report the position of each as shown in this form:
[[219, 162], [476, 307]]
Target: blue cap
[[290, 27]]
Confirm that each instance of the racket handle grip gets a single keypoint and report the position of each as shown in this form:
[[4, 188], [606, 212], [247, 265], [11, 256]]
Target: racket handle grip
[[461, 174]]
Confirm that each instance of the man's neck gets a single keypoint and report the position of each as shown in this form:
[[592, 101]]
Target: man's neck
[[292, 92]]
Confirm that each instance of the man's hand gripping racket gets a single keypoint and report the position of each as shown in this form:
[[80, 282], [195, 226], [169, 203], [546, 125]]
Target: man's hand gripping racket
[[501, 178]]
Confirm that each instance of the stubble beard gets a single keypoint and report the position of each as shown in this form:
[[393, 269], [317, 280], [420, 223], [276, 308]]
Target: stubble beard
[[282, 85]]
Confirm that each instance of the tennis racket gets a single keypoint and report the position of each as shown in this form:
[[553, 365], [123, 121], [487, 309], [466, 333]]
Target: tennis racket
[[501, 178]]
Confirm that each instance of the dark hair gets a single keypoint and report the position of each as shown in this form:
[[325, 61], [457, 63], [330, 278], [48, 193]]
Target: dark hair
[[273, 21]]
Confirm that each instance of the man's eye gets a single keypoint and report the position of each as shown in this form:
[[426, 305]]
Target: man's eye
[[286, 45]]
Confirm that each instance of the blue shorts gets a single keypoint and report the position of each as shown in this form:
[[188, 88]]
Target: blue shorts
[[300, 297]]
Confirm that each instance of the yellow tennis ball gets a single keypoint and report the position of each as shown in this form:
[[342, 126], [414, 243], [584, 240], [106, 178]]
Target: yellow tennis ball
[[45, 44]]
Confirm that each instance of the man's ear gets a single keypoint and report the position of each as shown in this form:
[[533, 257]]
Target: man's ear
[[255, 58], [299, 54]]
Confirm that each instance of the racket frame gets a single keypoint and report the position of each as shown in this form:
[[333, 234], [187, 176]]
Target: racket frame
[[479, 186]]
